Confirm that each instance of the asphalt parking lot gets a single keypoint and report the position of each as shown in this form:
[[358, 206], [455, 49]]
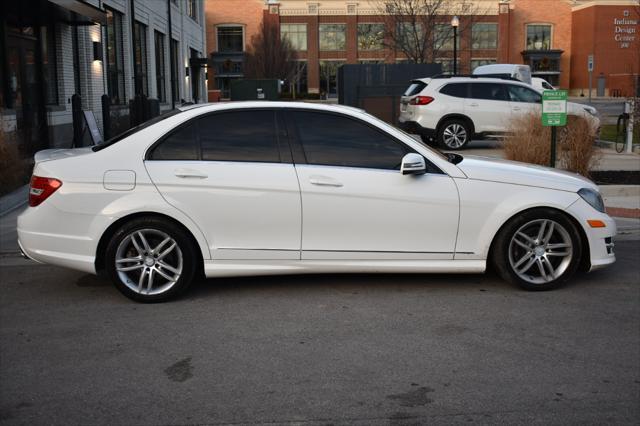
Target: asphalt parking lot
[[333, 349]]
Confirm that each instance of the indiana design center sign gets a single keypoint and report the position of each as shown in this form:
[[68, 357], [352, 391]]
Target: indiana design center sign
[[554, 108]]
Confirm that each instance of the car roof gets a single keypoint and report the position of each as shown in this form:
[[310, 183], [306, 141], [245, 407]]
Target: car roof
[[217, 106]]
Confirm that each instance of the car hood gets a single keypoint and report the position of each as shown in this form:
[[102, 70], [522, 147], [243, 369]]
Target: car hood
[[516, 173]]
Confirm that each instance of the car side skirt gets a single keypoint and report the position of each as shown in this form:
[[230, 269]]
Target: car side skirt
[[239, 268]]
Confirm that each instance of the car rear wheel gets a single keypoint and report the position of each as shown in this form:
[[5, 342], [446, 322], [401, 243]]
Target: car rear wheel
[[454, 134], [538, 250], [151, 260]]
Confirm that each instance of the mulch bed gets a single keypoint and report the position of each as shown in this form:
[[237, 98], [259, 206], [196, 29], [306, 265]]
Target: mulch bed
[[616, 177]]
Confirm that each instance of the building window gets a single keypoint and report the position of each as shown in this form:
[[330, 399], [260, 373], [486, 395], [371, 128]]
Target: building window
[[160, 66], [332, 36], [192, 9], [475, 63], [443, 37], [296, 34], [329, 78], [175, 71], [538, 37], [47, 37], [484, 36], [115, 58], [370, 36], [141, 58], [410, 36], [230, 39]]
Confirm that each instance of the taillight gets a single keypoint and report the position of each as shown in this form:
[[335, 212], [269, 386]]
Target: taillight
[[41, 188], [421, 100]]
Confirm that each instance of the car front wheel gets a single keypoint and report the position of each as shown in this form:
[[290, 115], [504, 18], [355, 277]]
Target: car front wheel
[[538, 250], [151, 260]]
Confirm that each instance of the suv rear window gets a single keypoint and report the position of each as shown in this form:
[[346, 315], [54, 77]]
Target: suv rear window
[[457, 90], [415, 88]]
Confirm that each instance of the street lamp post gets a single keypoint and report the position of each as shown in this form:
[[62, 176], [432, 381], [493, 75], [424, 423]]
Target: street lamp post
[[455, 22]]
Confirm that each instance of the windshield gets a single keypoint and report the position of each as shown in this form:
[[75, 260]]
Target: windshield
[[452, 158], [135, 129]]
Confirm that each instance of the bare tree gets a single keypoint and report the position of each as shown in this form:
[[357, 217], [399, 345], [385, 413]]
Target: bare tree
[[421, 29], [270, 56]]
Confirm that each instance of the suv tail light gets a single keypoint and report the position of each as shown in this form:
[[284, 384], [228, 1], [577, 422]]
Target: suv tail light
[[41, 188], [421, 100]]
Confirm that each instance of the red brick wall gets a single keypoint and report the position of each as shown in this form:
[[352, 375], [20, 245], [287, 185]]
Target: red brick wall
[[248, 13], [594, 33], [554, 12]]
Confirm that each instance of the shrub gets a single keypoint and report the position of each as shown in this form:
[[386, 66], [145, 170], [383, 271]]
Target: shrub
[[529, 141]]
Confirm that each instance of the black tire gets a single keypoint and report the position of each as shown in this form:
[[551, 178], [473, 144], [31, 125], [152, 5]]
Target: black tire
[[507, 253], [185, 256], [428, 140], [454, 134]]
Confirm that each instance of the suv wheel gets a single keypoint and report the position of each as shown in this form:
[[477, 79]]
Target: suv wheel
[[454, 134]]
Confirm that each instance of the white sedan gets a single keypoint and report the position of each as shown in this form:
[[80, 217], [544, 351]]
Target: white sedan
[[278, 188]]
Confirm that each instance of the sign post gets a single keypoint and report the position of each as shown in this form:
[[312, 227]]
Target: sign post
[[554, 114], [590, 69]]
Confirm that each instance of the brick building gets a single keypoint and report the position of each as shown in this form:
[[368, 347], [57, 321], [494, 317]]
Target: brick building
[[554, 37], [51, 50]]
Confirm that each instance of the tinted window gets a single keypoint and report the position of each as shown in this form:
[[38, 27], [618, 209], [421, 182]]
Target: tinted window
[[458, 90], [524, 94], [179, 145], [335, 140], [489, 91], [415, 88], [239, 136]]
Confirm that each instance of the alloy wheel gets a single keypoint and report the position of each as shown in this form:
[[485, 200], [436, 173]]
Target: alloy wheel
[[540, 251], [454, 136], [149, 261]]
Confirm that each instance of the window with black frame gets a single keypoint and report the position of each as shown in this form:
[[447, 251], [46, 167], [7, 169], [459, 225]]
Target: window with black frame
[[160, 66], [115, 58], [538, 37], [230, 39], [49, 68], [140, 55], [484, 35]]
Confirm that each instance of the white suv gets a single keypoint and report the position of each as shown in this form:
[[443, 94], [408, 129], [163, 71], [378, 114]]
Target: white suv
[[453, 110]]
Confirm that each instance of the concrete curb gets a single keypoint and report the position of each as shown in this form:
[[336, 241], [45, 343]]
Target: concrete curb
[[14, 200]]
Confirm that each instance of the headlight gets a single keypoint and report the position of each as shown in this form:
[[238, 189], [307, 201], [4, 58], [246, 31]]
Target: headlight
[[593, 198], [591, 111]]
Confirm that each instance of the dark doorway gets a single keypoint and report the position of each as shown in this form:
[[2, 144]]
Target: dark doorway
[[25, 90], [195, 77]]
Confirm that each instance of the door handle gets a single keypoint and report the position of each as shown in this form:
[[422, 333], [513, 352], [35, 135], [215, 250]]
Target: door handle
[[324, 181], [516, 108], [473, 104], [189, 173]]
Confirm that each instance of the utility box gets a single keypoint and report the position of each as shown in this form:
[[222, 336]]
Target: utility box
[[254, 90]]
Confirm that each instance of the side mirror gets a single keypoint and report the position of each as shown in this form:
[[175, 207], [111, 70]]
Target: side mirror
[[413, 164]]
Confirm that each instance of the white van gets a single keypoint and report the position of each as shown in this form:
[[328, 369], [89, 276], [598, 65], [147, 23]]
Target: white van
[[519, 72], [541, 84]]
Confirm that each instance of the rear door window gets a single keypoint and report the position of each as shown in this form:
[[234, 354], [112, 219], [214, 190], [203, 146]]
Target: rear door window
[[524, 94], [239, 136], [415, 88], [457, 90], [181, 144], [489, 91]]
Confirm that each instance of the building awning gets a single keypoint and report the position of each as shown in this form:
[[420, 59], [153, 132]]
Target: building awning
[[35, 13], [84, 12]]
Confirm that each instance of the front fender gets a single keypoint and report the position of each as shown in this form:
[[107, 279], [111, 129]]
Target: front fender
[[486, 206]]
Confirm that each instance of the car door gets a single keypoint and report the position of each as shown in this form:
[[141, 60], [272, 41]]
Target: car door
[[229, 173], [488, 107], [355, 202], [524, 100]]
